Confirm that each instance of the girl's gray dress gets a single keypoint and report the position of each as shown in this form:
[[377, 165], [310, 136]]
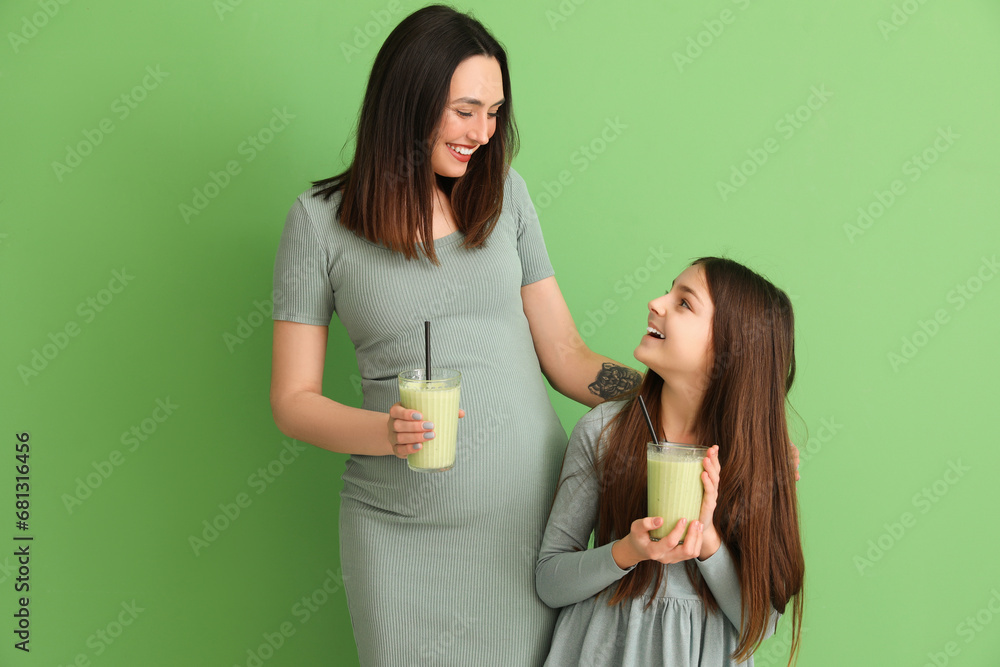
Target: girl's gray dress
[[438, 567], [675, 630]]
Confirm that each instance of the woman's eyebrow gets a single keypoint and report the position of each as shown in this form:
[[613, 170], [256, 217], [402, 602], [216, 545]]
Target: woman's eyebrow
[[474, 102]]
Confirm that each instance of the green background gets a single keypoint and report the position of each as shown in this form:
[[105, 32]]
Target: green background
[[900, 548]]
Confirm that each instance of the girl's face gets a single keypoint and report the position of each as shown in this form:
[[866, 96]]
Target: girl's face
[[678, 342], [470, 114]]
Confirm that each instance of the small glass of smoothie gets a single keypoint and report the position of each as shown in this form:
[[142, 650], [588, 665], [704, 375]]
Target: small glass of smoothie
[[437, 401], [673, 478]]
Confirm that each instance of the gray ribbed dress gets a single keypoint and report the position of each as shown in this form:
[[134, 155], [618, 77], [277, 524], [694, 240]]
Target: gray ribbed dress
[[675, 630], [439, 567]]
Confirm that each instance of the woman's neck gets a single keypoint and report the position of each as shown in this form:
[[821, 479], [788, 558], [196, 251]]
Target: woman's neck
[[679, 405], [444, 218]]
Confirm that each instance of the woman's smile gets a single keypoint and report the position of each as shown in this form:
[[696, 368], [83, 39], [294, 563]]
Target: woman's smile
[[460, 152]]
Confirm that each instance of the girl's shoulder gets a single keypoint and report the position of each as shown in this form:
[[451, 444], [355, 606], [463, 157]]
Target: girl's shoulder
[[594, 421], [585, 443], [608, 409]]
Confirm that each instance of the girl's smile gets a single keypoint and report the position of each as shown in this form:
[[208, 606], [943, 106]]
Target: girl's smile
[[679, 328]]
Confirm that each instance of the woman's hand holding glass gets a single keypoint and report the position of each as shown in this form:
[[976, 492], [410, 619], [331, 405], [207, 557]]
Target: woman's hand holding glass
[[407, 431]]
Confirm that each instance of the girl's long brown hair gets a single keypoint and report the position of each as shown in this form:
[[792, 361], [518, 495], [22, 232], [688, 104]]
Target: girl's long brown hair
[[743, 411], [387, 192]]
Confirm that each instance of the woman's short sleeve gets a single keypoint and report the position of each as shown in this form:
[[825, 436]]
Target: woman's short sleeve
[[302, 290], [535, 263]]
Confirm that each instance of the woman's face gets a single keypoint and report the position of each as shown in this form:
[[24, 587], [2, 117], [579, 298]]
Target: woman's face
[[678, 342], [470, 115]]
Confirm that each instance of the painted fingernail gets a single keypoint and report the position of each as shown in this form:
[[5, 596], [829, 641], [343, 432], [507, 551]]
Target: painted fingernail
[[416, 415], [417, 446], [428, 436], [429, 426]]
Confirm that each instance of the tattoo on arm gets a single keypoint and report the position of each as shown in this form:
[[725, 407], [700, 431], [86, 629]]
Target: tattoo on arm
[[614, 380]]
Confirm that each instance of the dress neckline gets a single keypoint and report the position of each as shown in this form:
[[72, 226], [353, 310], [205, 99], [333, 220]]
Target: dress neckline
[[448, 239]]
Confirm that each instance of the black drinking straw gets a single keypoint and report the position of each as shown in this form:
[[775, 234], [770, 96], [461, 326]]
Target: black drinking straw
[[427, 346], [649, 422]]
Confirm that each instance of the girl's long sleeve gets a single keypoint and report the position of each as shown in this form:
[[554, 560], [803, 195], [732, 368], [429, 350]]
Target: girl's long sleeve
[[567, 572]]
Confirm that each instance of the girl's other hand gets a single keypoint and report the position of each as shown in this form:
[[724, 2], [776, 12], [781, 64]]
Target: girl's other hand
[[637, 545], [710, 480], [407, 430]]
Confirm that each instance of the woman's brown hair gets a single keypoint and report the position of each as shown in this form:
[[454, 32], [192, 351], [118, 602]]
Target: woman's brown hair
[[743, 411], [387, 191]]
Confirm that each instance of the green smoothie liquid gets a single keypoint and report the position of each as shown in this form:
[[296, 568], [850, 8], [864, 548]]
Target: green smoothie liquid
[[675, 489], [440, 406]]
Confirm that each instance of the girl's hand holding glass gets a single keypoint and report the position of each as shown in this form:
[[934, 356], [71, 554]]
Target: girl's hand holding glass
[[637, 546], [710, 540], [702, 539]]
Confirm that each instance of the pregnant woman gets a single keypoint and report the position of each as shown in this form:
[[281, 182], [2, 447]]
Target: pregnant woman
[[429, 222]]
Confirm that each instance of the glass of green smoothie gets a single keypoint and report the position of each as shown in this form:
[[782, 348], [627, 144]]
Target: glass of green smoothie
[[673, 479], [436, 400]]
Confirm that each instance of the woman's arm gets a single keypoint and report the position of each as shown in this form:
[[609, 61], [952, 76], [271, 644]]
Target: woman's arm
[[302, 412], [570, 366]]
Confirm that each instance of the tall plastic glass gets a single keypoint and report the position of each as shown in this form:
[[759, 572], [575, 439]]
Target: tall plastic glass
[[673, 479], [437, 401]]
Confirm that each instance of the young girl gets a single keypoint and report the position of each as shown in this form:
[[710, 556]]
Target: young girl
[[720, 352]]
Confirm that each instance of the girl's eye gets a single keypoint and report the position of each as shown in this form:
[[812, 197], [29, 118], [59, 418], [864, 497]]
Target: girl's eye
[[494, 114], [685, 304]]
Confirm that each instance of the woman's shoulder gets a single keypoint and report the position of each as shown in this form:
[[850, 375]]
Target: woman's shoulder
[[514, 179], [312, 209], [515, 188], [313, 200]]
